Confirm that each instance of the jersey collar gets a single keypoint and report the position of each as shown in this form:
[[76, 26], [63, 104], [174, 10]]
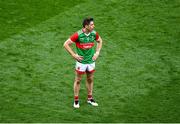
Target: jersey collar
[[83, 30]]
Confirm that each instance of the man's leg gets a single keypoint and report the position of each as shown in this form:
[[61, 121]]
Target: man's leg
[[89, 86], [77, 81], [89, 83]]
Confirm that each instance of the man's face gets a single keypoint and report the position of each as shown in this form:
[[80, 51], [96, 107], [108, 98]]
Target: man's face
[[90, 27]]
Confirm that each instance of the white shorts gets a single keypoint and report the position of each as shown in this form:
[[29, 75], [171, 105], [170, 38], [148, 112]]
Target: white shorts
[[83, 68]]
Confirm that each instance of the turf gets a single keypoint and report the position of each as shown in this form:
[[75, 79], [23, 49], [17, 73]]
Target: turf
[[137, 74]]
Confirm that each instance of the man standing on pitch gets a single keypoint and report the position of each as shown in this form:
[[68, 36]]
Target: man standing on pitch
[[85, 57]]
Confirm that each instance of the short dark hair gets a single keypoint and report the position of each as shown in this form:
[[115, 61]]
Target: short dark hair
[[87, 21]]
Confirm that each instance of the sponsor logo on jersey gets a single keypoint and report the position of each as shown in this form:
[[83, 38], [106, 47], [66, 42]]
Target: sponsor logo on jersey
[[85, 45]]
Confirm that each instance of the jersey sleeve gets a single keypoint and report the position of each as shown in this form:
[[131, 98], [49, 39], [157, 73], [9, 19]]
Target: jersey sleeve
[[74, 37], [97, 36]]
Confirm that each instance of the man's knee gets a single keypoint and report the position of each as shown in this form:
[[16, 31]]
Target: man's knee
[[78, 80], [89, 79]]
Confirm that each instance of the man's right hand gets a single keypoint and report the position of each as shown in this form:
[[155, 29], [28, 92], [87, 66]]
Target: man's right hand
[[77, 57]]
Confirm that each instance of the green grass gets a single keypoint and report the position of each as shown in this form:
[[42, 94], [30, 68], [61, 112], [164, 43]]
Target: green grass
[[19, 15], [137, 74]]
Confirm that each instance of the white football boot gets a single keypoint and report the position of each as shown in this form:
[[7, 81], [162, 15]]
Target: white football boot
[[76, 104], [92, 102]]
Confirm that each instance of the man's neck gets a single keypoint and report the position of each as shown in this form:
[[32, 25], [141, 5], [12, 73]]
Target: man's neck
[[85, 31]]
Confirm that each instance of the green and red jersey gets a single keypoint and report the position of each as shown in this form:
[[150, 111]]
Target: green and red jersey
[[85, 44]]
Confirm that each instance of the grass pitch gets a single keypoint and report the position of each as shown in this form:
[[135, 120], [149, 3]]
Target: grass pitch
[[137, 74]]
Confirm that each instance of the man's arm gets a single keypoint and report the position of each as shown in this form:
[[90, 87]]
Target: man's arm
[[67, 44], [98, 48]]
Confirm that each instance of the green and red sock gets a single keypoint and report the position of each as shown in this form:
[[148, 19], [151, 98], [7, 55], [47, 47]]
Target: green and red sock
[[90, 97], [76, 98]]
